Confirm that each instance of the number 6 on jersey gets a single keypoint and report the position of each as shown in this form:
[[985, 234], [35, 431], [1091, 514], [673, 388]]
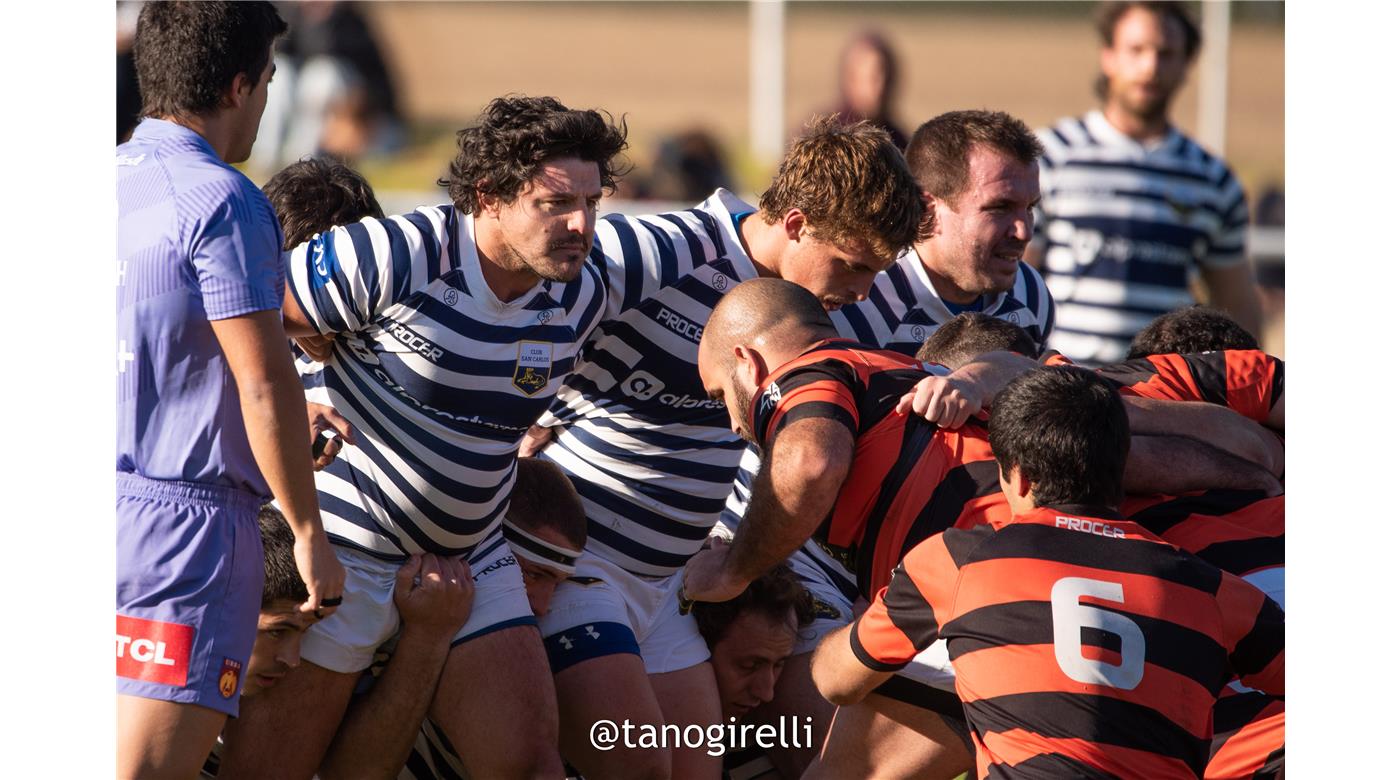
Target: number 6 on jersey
[[1070, 616]]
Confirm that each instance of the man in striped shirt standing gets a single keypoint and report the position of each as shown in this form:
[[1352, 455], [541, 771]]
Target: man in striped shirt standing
[[652, 455], [451, 329], [1132, 207]]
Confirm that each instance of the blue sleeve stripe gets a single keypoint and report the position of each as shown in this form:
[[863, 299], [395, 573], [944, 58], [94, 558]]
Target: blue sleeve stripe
[[631, 261], [322, 292], [367, 265], [582, 643], [665, 253], [401, 260], [692, 241]]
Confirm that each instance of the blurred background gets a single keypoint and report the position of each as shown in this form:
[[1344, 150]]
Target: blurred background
[[711, 91]]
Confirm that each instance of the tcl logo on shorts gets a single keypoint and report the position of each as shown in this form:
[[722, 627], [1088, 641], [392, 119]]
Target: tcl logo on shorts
[[153, 651]]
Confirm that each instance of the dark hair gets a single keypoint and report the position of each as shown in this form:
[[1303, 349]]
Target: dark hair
[[316, 194], [961, 339], [1190, 329], [852, 185], [1067, 430], [773, 595], [281, 581], [1107, 16], [516, 135], [543, 497], [187, 54], [939, 152]]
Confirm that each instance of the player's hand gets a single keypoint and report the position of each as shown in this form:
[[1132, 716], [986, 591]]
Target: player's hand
[[707, 578], [320, 417], [944, 400], [318, 348], [322, 573], [535, 440], [434, 594]]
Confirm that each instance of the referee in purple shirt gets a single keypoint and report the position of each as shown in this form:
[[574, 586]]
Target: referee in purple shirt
[[211, 419]]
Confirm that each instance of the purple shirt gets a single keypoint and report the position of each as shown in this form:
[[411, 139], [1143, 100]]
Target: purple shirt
[[196, 241]]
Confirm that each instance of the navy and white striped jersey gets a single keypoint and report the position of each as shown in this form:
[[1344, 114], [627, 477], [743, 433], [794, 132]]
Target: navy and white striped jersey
[[1125, 226], [903, 309], [439, 377], [648, 451]]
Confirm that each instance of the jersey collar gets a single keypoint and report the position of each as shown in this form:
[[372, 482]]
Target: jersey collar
[[724, 205]]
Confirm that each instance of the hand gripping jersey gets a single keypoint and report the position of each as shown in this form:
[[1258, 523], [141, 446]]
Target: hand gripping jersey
[[909, 479], [1084, 646], [439, 377], [903, 308]]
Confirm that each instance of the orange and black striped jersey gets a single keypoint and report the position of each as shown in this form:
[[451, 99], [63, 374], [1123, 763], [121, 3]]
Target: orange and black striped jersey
[[1240, 531], [1245, 380], [909, 479], [1248, 742], [1084, 646]]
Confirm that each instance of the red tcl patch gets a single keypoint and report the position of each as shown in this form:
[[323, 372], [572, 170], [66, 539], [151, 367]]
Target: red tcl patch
[[153, 651]]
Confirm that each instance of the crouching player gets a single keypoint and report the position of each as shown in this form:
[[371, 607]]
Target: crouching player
[[1130, 697], [281, 622]]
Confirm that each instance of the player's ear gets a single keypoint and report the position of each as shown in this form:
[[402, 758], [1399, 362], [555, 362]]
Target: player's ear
[[237, 92], [793, 222], [750, 365], [487, 204]]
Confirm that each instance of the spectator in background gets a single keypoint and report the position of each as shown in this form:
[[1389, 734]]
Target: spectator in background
[[1132, 207], [689, 166], [868, 77], [338, 97]]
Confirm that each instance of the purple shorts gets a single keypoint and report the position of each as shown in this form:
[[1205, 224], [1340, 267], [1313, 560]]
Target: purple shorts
[[189, 585]]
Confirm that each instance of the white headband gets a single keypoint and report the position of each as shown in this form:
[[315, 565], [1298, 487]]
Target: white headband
[[532, 548]]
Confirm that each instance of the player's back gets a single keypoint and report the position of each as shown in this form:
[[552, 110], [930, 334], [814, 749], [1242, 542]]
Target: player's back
[[1085, 646], [909, 479]]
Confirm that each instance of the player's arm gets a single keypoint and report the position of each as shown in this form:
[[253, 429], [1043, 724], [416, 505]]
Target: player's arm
[[902, 621], [378, 730], [1253, 634], [269, 394], [795, 490], [1215, 425], [1180, 464], [949, 400], [839, 674]]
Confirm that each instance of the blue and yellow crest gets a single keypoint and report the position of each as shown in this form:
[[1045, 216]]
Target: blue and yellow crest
[[532, 366]]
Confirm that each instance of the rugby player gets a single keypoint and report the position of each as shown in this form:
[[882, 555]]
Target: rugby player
[[750, 640], [311, 196], [653, 457], [978, 173], [452, 327], [827, 404], [544, 526], [208, 403], [1133, 208], [281, 622], [1131, 697]]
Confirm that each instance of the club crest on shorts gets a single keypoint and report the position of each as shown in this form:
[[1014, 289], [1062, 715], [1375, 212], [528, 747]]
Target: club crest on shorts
[[228, 678], [532, 366]]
